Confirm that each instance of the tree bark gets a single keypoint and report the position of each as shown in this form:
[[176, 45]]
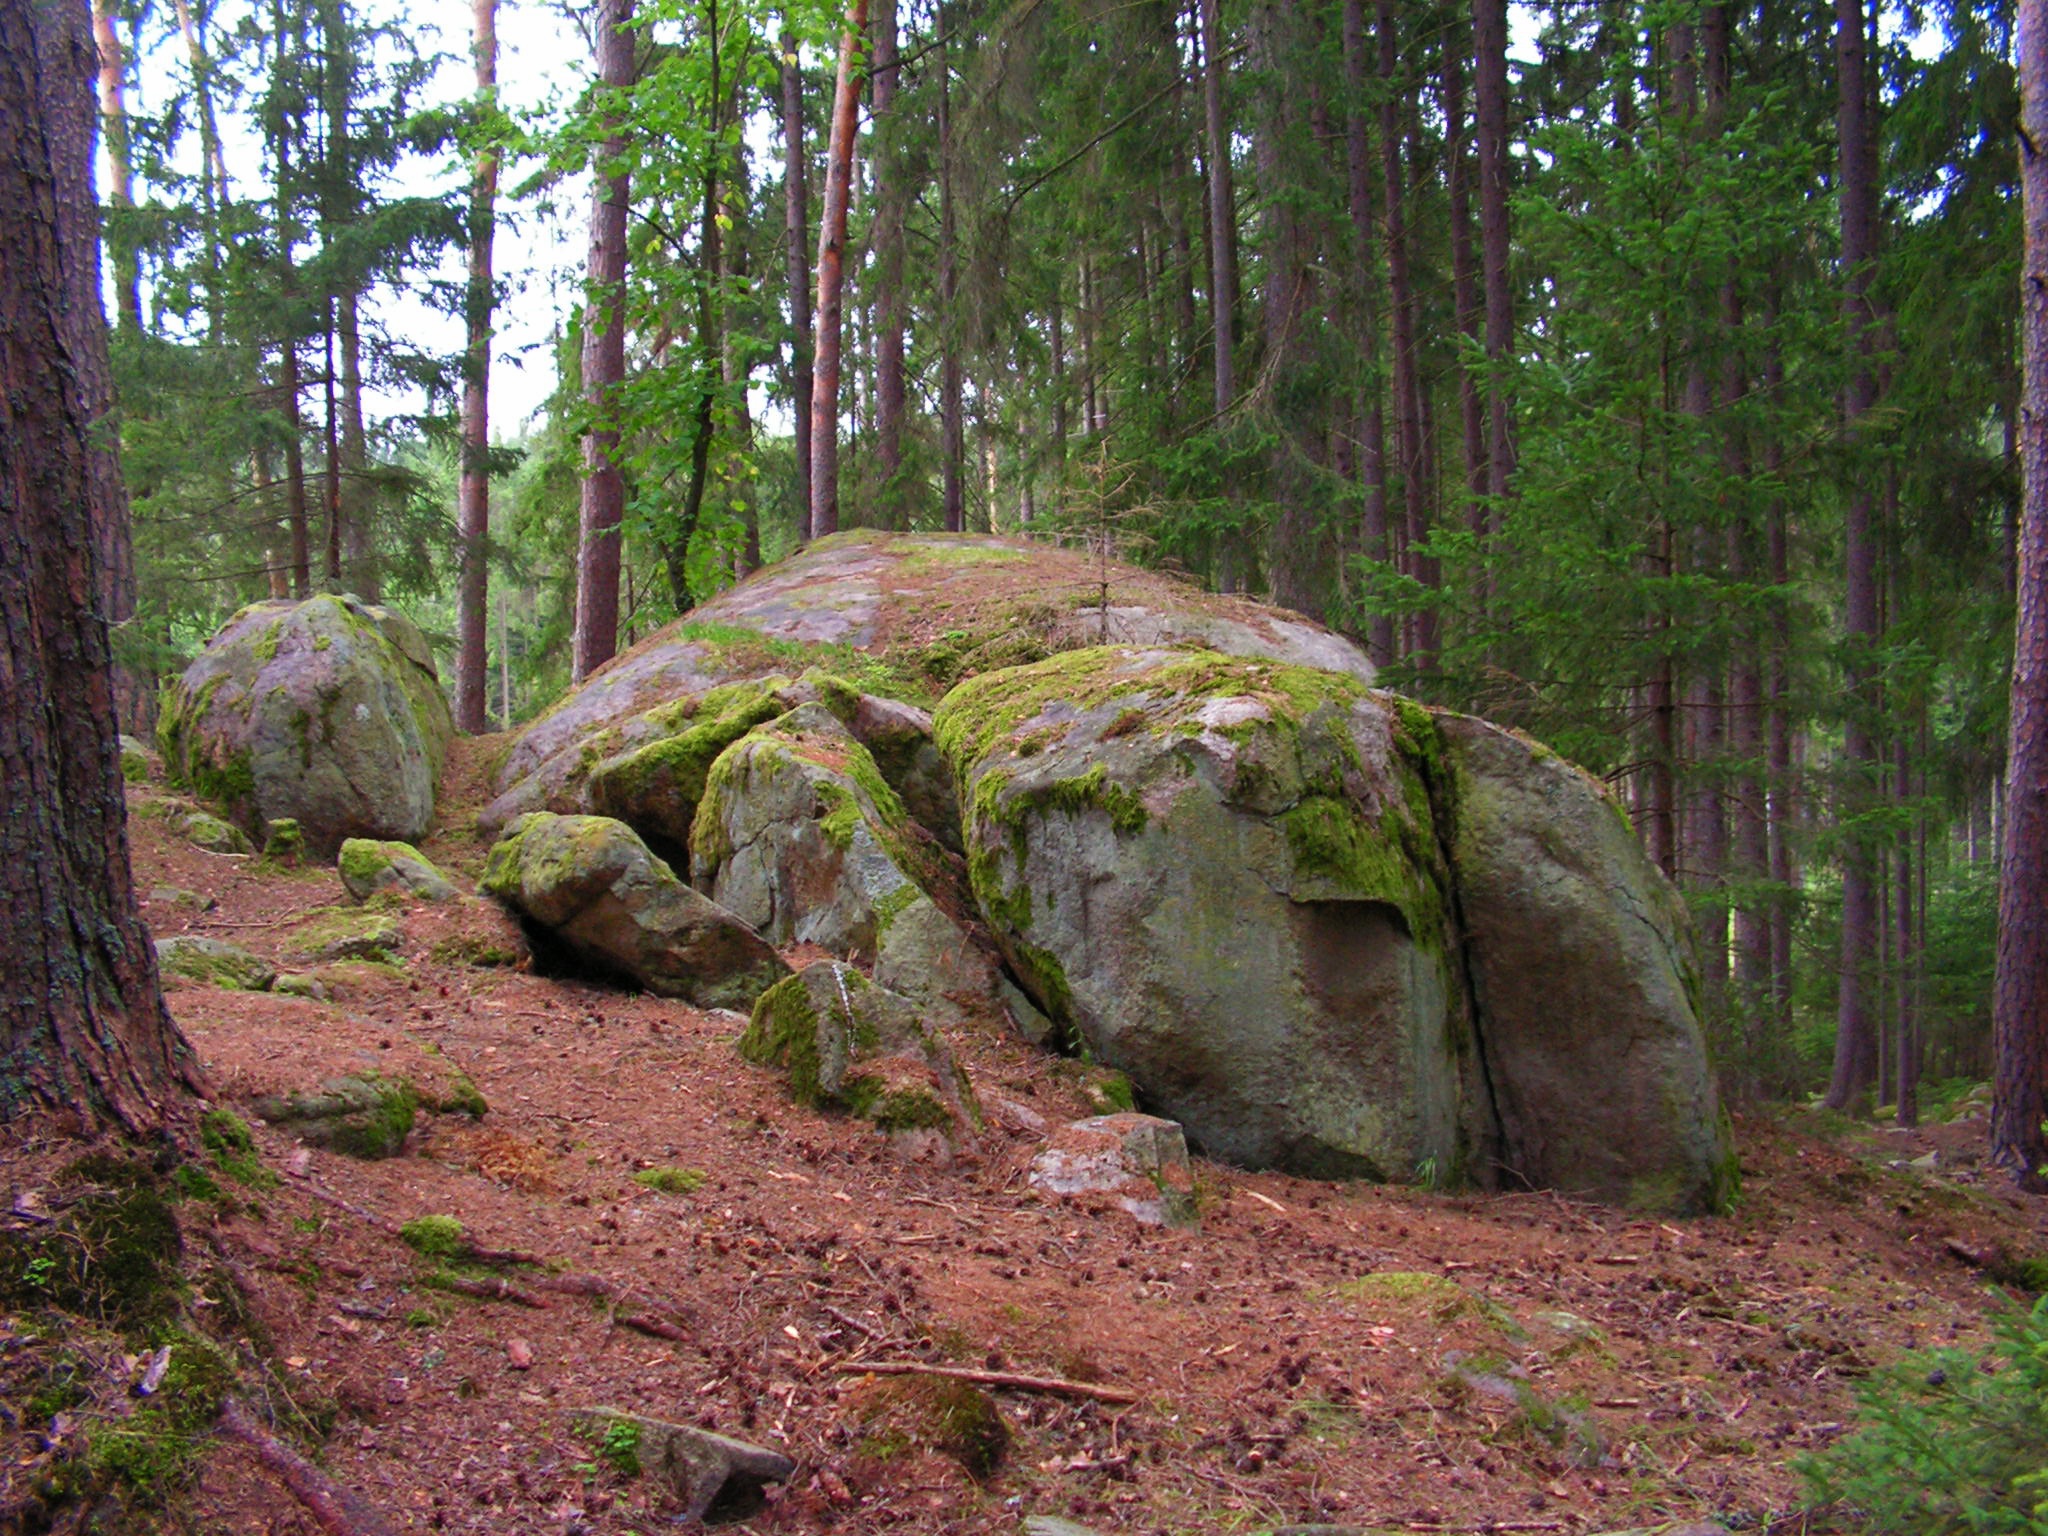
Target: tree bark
[[710, 338], [604, 363], [1372, 447], [1490, 72], [890, 307], [2019, 1008], [1464, 289], [365, 576], [120, 165], [83, 1028], [1400, 294], [797, 242], [1855, 1064], [952, 407], [831, 278], [1222, 212], [473, 489]]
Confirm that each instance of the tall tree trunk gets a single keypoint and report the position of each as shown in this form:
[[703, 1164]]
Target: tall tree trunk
[[952, 389], [1397, 102], [604, 363], [1490, 71], [2019, 1008], [1372, 448], [890, 306], [797, 247], [831, 278], [1222, 212], [1855, 1064], [83, 1028], [330, 573], [120, 242], [358, 537], [297, 513], [213, 172], [1464, 287], [473, 489], [710, 336]]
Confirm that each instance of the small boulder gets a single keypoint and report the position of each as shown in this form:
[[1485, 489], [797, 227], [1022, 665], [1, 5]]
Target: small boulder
[[327, 711], [930, 959], [368, 866], [591, 883], [178, 896], [284, 842], [846, 1044], [216, 961], [212, 835], [365, 1116], [347, 933], [300, 984], [1139, 1162], [138, 763], [799, 834], [705, 1471]]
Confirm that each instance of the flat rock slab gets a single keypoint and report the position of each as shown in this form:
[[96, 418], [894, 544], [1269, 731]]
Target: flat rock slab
[[1139, 1162]]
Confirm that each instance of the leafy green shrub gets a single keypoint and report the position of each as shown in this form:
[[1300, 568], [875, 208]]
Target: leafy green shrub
[[1947, 1448]]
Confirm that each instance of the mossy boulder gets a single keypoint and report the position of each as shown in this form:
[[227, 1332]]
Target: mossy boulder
[[1585, 983], [284, 842], [368, 866], [896, 1416], [138, 763], [215, 961], [897, 618], [1333, 931], [845, 1044], [347, 933], [327, 711], [713, 1477], [591, 885], [799, 835], [948, 971], [208, 832], [1221, 877], [366, 1116]]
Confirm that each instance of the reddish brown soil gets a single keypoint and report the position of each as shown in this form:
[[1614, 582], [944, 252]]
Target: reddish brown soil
[[1266, 1394]]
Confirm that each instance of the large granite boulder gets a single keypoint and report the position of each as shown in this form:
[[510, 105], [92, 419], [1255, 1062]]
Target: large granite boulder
[[903, 617], [592, 886], [1223, 879], [326, 711], [1242, 882], [799, 835], [1584, 982]]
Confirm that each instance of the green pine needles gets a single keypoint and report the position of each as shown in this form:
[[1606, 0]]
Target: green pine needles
[[1947, 1447]]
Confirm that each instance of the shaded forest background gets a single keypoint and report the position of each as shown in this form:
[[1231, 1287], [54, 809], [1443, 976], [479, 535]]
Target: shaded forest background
[[1650, 384]]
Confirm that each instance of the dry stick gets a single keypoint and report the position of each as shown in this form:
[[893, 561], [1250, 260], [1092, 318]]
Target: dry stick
[[1050, 1384], [492, 1289], [337, 1510]]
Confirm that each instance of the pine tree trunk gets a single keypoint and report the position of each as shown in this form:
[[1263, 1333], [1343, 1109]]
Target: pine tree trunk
[[213, 170], [1490, 69], [604, 365], [1396, 103], [1372, 428], [1222, 213], [710, 338], [2019, 1009], [359, 538], [121, 180], [1855, 1065], [1464, 288], [890, 306], [831, 278], [952, 426], [797, 245], [473, 488], [330, 574], [83, 1029]]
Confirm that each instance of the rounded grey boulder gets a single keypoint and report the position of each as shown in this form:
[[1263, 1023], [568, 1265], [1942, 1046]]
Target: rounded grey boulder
[[327, 711]]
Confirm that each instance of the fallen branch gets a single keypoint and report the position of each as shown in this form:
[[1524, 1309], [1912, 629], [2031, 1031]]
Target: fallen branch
[[492, 1289], [653, 1327], [1051, 1384], [337, 1510]]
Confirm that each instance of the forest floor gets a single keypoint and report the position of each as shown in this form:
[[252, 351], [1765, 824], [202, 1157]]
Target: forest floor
[[1567, 1368]]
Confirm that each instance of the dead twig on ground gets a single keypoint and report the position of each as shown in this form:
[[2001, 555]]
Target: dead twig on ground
[[1051, 1384]]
